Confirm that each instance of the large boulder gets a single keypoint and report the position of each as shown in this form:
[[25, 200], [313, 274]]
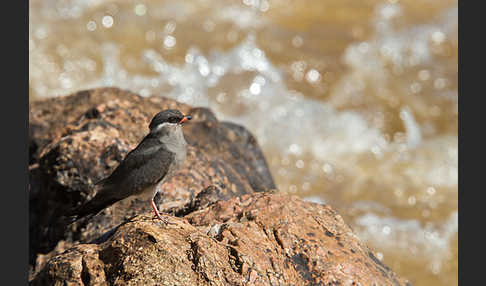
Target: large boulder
[[256, 239], [228, 225], [77, 140]]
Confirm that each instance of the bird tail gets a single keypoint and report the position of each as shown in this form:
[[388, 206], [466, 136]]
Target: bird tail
[[91, 208]]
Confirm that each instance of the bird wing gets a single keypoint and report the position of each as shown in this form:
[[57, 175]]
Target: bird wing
[[143, 167]]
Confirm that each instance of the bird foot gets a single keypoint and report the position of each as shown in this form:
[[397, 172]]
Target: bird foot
[[163, 219], [157, 214]]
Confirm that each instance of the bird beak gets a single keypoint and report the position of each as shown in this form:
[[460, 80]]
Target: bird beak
[[186, 118]]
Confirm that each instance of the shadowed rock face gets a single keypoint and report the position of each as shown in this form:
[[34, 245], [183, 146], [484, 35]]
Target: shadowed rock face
[[228, 225]]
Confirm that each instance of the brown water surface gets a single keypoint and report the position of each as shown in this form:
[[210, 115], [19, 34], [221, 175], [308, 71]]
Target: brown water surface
[[353, 102]]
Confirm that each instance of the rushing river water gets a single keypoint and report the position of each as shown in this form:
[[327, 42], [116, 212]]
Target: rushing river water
[[355, 103]]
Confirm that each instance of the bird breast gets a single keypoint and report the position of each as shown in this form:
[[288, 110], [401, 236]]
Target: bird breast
[[174, 142]]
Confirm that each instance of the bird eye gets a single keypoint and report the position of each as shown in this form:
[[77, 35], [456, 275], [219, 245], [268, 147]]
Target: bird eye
[[173, 120]]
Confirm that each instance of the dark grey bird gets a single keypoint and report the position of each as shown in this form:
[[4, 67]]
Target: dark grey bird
[[156, 158]]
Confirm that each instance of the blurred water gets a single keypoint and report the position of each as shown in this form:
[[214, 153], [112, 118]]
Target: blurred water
[[354, 103]]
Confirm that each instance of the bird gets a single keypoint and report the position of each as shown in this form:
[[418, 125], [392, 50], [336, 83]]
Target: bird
[[159, 155]]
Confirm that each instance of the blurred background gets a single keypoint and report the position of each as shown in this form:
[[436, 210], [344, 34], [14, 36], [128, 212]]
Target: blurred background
[[355, 103]]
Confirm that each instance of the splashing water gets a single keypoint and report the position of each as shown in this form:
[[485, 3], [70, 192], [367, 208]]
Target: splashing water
[[371, 130]]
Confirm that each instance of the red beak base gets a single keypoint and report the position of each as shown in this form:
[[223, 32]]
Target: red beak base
[[186, 118]]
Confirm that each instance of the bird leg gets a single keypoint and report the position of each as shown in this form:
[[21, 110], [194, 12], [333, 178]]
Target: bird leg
[[152, 203], [157, 213]]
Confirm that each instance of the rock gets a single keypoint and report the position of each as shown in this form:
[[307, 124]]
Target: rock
[[253, 239], [83, 268], [228, 226], [76, 140]]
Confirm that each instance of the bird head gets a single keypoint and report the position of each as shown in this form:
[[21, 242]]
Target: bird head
[[168, 117]]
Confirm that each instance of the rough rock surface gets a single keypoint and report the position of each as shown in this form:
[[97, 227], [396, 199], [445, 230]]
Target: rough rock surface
[[77, 140], [228, 225], [256, 239]]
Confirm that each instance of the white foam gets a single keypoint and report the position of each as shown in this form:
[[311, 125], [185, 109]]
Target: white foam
[[405, 237], [280, 118], [411, 127], [315, 199]]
